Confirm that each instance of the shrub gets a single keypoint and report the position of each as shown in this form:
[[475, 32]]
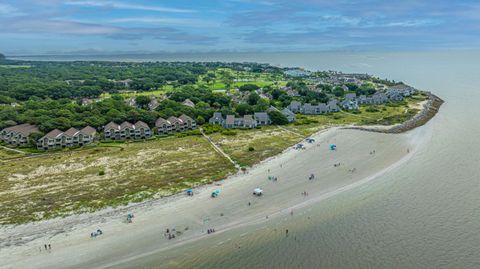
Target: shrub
[[251, 148], [101, 173]]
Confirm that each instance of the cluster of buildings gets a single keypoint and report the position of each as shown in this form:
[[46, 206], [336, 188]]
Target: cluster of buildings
[[18, 135], [70, 138], [309, 109], [248, 121], [394, 94]]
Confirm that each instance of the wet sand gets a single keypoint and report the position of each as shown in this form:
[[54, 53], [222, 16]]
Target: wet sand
[[124, 243]]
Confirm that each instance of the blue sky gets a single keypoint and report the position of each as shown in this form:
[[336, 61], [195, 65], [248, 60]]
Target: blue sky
[[88, 26]]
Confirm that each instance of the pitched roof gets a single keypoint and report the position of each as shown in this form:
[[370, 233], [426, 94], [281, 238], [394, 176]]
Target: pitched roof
[[25, 129], [54, 133], [161, 121], [88, 130], [174, 120], [140, 124], [111, 125], [71, 132], [185, 118], [189, 103], [126, 124]]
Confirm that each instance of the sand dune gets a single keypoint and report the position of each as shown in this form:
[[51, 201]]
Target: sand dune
[[72, 246]]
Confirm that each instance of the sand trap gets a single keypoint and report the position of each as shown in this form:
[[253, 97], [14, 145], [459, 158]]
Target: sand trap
[[72, 246]]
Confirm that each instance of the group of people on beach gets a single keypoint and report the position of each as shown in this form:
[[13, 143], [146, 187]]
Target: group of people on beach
[[209, 231], [47, 247]]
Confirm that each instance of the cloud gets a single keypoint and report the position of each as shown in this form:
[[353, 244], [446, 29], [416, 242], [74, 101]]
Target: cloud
[[54, 26], [165, 20], [122, 5], [8, 10]]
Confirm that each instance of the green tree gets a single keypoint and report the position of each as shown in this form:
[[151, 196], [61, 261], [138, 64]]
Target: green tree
[[33, 138], [253, 99], [142, 101], [200, 120], [248, 87], [244, 109], [277, 118]]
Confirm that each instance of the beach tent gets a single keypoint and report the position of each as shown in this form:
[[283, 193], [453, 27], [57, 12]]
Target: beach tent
[[299, 146], [189, 192], [310, 140], [257, 191], [333, 147], [215, 193]]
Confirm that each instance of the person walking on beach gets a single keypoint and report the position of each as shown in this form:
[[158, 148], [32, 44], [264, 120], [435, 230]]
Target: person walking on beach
[[286, 232], [49, 246], [45, 246]]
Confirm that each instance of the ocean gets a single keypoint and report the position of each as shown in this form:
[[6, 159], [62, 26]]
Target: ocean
[[423, 214]]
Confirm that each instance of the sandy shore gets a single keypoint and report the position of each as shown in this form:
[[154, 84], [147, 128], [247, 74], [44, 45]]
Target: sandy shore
[[22, 246]]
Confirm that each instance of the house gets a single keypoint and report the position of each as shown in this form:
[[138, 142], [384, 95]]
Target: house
[[289, 114], [132, 102], [188, 102], [349, 104], [53, 139], [379, 98], [177, 124], [295, 106], [127, 130], [153, 104], [230, 122], [126, 83], [18, 135], [70, 138], [141, 130], [332, 106], [249, 121], [217, 118], [350, 96], [286, 112], [87, 135], [111, 131], [163, 126], [262, 118], [188, 123], [403, 89]]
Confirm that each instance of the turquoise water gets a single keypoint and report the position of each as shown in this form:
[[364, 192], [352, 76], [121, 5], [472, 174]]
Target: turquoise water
[[424, 214]]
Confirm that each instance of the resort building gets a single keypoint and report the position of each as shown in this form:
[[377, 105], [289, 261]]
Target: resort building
[[127, 130], [70, 138], [174, 124], [18, 135], [309, 109]]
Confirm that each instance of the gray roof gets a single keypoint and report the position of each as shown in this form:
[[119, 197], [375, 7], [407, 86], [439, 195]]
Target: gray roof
[[24, 129], [161, 121], [185, 118], [53, 134], [140, 124], [174, 120], [71, 132], [88, 130], [111, 125], [126, 124], [262, 116]]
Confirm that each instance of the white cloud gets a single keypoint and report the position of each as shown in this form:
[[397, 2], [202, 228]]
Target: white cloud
[[123, 5], [166, 21], [8, 10]]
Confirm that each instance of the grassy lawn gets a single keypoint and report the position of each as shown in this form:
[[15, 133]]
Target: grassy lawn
[[5, 154], [58, 184], [266, 142], [15, 66]]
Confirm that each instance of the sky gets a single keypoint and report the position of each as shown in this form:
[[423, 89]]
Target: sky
[[29, 27]]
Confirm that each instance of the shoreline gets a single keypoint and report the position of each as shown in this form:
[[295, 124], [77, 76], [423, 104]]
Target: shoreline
[[21, 238], [429, 110]]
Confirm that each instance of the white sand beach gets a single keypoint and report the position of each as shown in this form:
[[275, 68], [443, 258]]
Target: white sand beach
[[362, 156]]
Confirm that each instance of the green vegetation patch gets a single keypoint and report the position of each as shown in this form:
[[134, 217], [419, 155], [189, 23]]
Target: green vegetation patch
[[44, 186]]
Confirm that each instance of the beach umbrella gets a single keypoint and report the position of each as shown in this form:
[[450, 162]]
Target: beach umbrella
[[333, 147]]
